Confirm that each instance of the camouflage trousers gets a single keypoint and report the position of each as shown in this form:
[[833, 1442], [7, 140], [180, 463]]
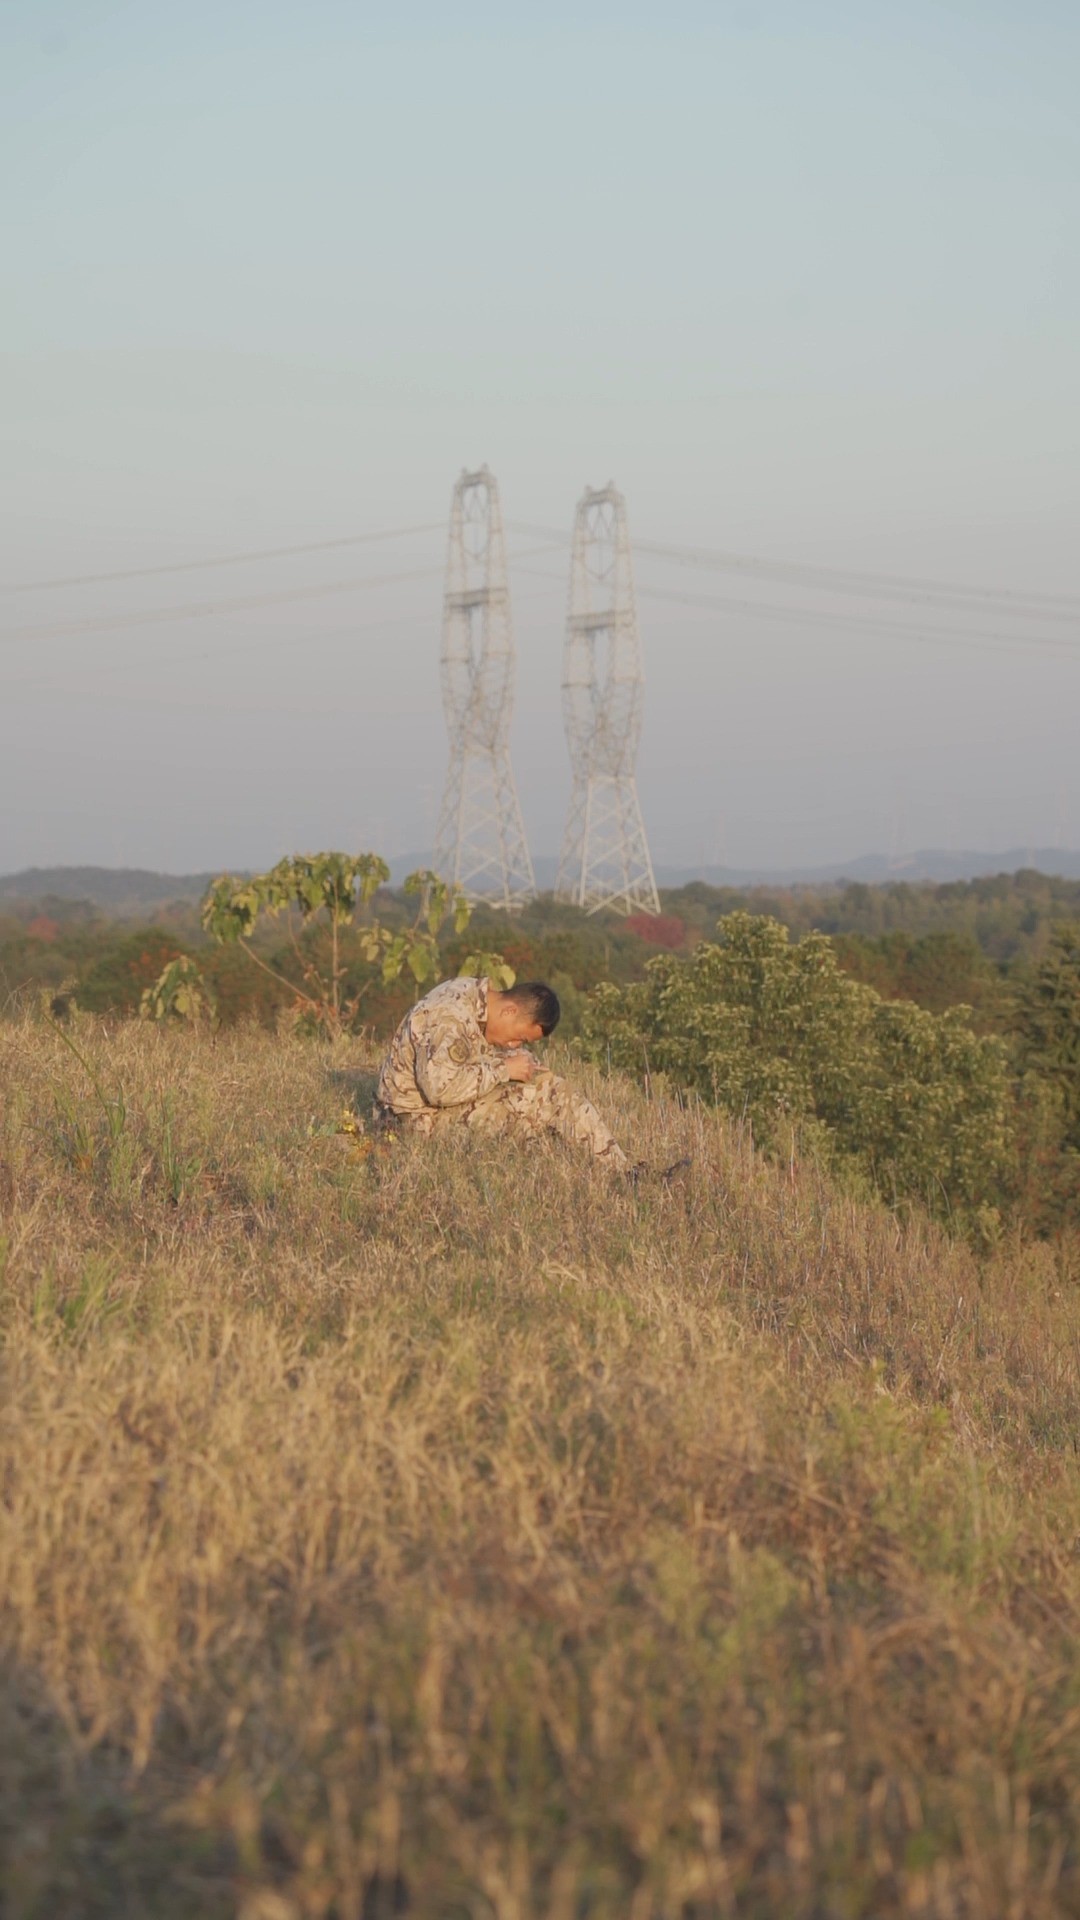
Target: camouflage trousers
[[527, 1109]]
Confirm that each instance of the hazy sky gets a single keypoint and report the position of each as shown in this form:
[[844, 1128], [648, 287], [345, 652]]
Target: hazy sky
[[802, 278]]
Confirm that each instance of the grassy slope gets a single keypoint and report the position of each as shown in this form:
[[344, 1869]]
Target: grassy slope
[[449, 1534]]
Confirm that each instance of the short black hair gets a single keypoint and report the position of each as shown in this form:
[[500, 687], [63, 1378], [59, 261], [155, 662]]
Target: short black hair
[[533, 997]]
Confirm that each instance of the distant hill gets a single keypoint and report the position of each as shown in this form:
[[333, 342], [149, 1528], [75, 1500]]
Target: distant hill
[[123, 891], [877, 868], [872, 868], [128, 892]]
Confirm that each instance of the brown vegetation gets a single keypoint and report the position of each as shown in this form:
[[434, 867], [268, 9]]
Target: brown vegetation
[[449, 1533]]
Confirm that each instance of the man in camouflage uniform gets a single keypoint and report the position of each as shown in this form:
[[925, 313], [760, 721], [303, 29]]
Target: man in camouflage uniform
[[460, 1058]]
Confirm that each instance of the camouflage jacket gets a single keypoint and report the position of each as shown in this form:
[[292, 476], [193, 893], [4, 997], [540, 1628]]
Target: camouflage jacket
[[440, 1055]]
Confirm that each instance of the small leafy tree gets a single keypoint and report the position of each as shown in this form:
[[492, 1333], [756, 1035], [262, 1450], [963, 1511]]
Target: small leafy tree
[[179, 993], [492, 966], [340, 887]]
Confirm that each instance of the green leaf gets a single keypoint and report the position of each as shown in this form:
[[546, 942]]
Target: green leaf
[[490, 966], [420, 964]]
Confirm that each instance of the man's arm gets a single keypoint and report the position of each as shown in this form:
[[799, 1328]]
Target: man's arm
[[451, 1073]]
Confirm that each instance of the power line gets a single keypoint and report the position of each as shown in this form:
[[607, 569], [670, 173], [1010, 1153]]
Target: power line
[[843, 580], [225, 650], [874, 586], [222, 560], [791, 616], [199, 609], [813, 616], [847, 581], [818, 616]]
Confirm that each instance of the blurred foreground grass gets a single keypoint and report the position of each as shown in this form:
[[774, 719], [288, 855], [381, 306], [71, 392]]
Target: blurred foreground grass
[[450, 1534]]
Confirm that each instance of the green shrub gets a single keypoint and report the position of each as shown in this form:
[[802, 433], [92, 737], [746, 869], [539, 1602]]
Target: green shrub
[[1049, 1022], [913, 1103]]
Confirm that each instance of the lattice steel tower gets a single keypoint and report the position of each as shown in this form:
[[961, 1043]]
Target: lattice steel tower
[[605, 855], [480, 843]]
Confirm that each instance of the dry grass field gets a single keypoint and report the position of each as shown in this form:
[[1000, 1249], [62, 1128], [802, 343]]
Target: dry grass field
[[450, 1534]]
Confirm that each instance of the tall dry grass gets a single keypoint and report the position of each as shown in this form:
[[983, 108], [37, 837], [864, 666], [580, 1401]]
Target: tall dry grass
[[452, 1534]]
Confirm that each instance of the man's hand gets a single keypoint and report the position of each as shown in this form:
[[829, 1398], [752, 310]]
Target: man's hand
[[521, 1065]]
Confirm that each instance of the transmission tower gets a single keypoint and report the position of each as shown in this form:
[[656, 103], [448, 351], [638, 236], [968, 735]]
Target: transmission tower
[[605, 855], [480, 843]]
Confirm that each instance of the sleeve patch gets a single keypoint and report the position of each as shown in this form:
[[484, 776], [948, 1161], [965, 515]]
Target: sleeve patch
[[460, 1051]]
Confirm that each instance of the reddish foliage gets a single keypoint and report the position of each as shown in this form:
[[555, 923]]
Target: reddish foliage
[[520, 953], [42, 928], [658, 929], [145, 967]]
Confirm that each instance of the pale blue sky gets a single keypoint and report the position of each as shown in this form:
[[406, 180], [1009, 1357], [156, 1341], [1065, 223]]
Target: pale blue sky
[[803, 279]]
